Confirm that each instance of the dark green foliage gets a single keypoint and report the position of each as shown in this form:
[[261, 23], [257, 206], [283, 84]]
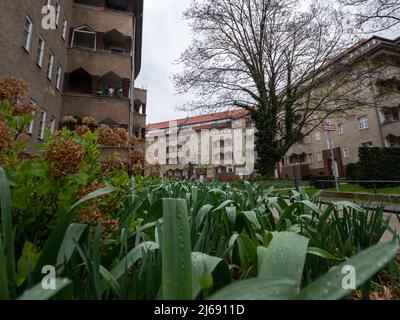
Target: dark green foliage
[[353, 171], [379, 164], [315, 182]]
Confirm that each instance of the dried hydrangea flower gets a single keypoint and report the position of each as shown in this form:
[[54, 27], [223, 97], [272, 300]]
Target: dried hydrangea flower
[[84, 191], [68, 119], [121, 135], [89, 121], [82, 130], [64, 157], [6, 139], [112, 164], [106, 136], [12, 89], [21, 110]]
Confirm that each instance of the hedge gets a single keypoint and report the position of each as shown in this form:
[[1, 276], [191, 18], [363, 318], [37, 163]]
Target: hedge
[[322, 185], [353, 171], [379, 164]]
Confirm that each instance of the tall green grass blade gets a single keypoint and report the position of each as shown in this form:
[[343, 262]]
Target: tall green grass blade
[[366, 264], [285, 258], [7, 232], [4, 293], [258, 289], [73, 234], [206, 266], [132, 257], [176, 251], [38, 293]]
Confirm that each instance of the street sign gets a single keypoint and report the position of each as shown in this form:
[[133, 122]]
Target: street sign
[[329, 127]]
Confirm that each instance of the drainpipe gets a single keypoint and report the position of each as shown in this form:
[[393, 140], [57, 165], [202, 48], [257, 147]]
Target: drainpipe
[[132, 90]]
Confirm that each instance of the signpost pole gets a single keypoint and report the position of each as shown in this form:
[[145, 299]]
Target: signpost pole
[[334, 163]]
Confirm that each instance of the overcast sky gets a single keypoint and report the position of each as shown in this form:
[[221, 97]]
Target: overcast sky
[[165, 36]]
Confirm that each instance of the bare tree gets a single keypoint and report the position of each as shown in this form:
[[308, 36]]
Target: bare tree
[[270, 58], [374, 15]]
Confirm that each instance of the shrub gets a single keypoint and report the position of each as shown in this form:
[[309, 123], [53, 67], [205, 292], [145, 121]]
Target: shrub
[[379, 164], [353, 171], [316, 183]]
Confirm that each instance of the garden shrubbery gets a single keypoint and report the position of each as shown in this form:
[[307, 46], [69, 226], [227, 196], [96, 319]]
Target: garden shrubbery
[[111, 233], [379, 164], [316, 183]]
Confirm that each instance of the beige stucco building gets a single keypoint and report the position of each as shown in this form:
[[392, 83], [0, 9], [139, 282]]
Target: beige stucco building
[[375, 123], [217, 137], [90, 60]]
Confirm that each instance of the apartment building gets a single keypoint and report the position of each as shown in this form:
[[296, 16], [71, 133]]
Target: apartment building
[[376, 123], [215, 158], [85, 67]]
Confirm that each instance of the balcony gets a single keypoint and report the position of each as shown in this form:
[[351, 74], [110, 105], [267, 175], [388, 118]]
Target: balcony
[[391, 129], [110, 85], [115, 5]]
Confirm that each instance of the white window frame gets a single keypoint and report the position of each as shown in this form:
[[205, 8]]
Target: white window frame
[[320, 157], [363, 123], [318, 136], [359, 96], [50, 66], [27, 42], [340, 129], [84, 31], [52, 124], [58, 76], [40, 62], [31, 123], [330, 142], [307, 140], [65, 27], [42, 123], [346, 152], [58, 12]]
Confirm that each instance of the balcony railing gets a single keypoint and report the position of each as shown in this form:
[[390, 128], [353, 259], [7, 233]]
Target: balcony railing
[[103, 51]]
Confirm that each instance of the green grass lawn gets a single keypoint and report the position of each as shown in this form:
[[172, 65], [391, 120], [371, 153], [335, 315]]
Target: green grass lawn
[[358, 189]]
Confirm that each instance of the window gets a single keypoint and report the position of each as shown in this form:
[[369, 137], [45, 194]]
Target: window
[[319, 157], [359, 96], [65, 26], [42, 122], [390, 115], [231, 169], [58, 76], [58, 10], [40, 51], [340, 129], [50, 66], [84, 37], [363, 123], [311, 158], [307, 140], [318, 136], [30, 124], [346, 152], [27, 33], [52, 124]]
